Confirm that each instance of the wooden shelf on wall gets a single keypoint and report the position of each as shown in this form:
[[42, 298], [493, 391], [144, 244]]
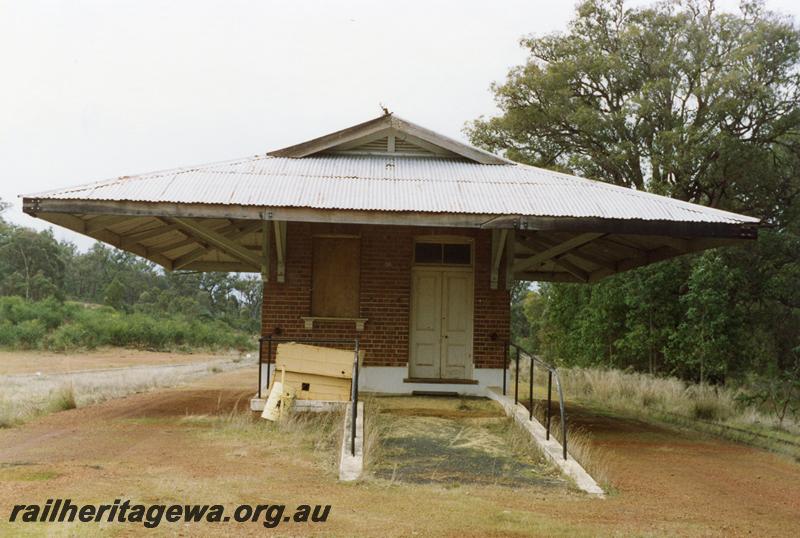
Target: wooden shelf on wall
[[310, 320]]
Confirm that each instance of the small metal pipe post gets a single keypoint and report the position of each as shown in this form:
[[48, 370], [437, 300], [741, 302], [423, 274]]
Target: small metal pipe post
[[549, 398], [516, 379], [505, 367], [563, 416], [269, 357], [530, 390], [260, 361], [355, 401]]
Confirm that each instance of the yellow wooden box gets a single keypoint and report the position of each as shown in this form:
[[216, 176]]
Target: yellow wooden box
[[315, 372]]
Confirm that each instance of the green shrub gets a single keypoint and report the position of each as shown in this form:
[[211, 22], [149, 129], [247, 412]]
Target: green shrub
[[71, 336], [50, 312], [68, 326], [8, 334], [30, 334], [13, 309]]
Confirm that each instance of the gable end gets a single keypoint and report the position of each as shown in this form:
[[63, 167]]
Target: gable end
[[391, 135]]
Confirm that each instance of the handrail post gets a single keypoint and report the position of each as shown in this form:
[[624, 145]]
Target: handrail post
[[260, 362], [505, 366], [551, 371], [563, 416], [269, 357], [516, 378], [530, 391], [355, 401], [549, 398]]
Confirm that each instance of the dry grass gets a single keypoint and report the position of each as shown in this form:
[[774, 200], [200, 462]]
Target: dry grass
[[594, 459], [63, 399], [318, 432], [374, 430], [520, 441], [643, 394], [23, 397], [454, 442], [704, 408]]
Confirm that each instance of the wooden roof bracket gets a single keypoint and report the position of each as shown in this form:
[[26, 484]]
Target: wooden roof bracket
[[231, 232], [511, 246], [266, 226], [280, 249], [499, 240], [557, 250], [219, 241]]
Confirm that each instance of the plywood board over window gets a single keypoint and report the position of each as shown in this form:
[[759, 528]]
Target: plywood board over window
[[335, 277]]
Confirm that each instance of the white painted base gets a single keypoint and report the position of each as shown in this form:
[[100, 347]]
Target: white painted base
[[352, 465], [550, 447], [301, 406], [264, 384], [389, 380]]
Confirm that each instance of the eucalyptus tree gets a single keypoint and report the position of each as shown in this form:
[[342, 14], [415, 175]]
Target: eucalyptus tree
[[676, 98], [685, 100]]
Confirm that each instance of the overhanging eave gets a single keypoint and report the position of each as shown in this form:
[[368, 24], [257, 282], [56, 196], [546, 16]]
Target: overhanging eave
[[219, 237]]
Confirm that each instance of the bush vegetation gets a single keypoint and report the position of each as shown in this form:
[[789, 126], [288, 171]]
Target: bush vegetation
[[607, 100], [37, 267], [63, 326]]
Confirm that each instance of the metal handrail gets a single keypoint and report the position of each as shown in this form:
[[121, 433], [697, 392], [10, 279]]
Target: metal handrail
[[551, 372], [354, 382], [354, 400]]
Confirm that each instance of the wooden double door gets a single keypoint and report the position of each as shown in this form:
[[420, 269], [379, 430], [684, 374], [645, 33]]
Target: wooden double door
[[441, 323]]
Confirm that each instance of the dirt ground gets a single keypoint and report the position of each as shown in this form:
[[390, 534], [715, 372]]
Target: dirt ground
[[157, 447], [30, 362]]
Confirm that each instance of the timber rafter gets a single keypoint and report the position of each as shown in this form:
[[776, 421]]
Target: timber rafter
[[208, 236]]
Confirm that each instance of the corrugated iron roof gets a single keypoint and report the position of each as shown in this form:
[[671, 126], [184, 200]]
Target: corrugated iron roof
[[394, 183]]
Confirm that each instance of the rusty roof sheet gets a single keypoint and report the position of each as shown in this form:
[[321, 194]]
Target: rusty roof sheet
[[394, 183]]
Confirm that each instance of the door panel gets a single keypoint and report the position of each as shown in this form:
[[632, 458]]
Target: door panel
[[426, 324], [457, 325], [441, 324]]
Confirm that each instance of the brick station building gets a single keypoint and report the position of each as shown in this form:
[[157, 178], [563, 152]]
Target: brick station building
[[392, 234]]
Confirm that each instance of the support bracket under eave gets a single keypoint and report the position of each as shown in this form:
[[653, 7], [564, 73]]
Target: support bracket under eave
[[511, 242], [538, 259], [280, 249], [217, 240], [265, 249], [498, 247]]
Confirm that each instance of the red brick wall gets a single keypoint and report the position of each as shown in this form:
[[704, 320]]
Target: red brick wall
[[385, 290]]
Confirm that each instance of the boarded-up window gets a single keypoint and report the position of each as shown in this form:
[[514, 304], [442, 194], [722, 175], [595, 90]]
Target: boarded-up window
[[335, 277]]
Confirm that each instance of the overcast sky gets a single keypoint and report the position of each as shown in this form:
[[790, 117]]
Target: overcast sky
[[98, 89]]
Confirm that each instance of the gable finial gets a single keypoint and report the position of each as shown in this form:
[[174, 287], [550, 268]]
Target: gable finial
[[385, 109]]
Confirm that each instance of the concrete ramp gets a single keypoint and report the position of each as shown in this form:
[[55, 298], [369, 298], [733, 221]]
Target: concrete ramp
[[351, 466]]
